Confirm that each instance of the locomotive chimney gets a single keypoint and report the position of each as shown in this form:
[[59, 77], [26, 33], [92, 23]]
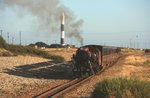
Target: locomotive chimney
[[62, 29]]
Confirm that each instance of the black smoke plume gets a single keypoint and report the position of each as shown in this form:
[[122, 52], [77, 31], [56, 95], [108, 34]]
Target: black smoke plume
[[47, 13]]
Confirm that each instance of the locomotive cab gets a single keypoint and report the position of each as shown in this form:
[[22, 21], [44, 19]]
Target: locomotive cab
[[81, 62], [86, 61]]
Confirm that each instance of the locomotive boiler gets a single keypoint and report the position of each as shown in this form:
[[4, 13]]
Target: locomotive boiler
[[90, 59]]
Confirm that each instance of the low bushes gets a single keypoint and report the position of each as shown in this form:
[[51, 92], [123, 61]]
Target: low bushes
[[3, 43], [122, 88], [147, 62], [147, 50], [24, 50]]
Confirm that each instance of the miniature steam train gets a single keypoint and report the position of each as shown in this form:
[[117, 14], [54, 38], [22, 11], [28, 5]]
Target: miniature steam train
[[90, 59]]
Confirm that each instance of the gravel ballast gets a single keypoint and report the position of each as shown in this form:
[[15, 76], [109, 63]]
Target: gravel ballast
[[21, 75]]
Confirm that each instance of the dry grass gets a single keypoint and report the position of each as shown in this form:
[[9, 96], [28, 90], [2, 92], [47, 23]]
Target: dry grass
[[4, 52], [137, 66], [64, 52]]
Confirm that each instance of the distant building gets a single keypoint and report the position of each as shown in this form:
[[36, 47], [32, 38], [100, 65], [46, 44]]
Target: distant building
[[60, 46]]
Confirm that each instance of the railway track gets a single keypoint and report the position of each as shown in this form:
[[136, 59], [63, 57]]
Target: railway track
[[60, 90]]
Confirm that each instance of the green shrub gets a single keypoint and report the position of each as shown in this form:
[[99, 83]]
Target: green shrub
[[147, 62], [122, 88], [3, 43], [24, 50], [147, 50]]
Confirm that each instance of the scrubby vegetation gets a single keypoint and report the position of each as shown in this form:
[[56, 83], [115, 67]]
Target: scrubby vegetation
[[39, 44], [145, 63], [3, 43], [147, 50], [122, 88], [27, 50], [24, 50]]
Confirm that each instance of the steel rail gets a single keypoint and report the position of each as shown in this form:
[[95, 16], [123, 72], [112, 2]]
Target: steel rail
[[59, 90]]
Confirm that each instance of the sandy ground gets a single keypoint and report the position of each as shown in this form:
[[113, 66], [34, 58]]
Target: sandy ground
[[23, 74]]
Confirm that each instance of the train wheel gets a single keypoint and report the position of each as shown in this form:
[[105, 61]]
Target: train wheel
[[90, 73], [98, 68], [91, 68], [76, 73], [101, 67]]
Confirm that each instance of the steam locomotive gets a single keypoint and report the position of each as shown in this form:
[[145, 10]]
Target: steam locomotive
[[90, 59]]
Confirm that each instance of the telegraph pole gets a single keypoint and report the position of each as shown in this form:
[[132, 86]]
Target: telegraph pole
[[20, 38], [8, 37], [12, 40], [137, 41]]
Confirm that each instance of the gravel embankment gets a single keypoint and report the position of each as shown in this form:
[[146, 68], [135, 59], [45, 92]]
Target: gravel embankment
[[21, 75]]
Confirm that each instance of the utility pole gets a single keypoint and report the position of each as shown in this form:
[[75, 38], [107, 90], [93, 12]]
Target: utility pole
[[131, 44], [145, 44], [134, 44], [20, 38], [12, 40], [137, 41], [8, 37]]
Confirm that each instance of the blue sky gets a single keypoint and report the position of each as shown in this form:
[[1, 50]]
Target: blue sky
[[114, 22], [109, 22]]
